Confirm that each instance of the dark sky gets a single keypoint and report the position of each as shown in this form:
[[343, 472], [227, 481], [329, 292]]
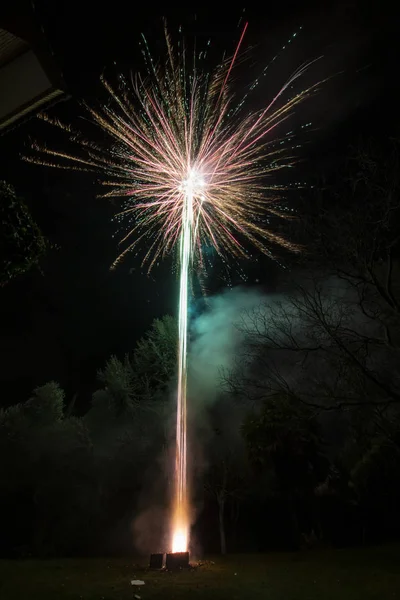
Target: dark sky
[[64, 323]]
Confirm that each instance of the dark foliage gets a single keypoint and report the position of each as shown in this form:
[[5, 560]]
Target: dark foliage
[[303, 444], [22, 244]]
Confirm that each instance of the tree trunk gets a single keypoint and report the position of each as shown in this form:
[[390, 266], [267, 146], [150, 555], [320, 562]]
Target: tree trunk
[[222, 537], [297, 538], [235, 519]]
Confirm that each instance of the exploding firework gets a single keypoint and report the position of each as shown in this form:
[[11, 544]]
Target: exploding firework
[[193, 166]]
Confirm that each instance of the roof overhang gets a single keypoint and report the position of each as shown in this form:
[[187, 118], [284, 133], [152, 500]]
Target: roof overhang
[[24, 83]]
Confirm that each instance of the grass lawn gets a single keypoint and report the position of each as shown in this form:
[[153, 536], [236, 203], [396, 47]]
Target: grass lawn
[[364, 574]]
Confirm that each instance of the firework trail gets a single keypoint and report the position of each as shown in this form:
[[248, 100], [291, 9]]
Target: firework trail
[[193, 167]]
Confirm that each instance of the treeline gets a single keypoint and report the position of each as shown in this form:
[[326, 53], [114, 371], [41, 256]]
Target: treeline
[[319, 369], [303, 443], [67, 482]]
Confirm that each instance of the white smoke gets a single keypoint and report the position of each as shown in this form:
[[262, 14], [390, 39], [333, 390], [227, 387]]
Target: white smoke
[[215, 340], [214, 344]]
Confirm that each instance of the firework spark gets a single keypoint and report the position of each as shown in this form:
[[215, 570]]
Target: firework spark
[[193, 167]]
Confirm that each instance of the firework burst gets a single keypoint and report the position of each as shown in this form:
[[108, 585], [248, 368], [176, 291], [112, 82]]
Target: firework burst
[[193, 166], [180, 129]]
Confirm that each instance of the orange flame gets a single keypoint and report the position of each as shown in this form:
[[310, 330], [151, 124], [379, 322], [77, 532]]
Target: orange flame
[[180, 532]]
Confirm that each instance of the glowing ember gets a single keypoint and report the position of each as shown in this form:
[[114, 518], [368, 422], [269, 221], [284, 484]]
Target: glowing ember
[[180, 540]]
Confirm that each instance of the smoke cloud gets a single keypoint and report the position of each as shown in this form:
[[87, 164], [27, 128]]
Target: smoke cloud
[[215, 341]]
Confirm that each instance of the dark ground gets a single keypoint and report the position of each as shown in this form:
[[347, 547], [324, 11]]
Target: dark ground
[[367, 574]]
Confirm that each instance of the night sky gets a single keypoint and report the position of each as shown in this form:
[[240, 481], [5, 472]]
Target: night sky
[[63, 323]]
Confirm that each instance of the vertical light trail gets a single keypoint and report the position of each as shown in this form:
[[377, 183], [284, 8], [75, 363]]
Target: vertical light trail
[[180, 525], [176, 125]]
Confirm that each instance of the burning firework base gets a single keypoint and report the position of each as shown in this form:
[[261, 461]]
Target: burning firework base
[[172, 561]]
